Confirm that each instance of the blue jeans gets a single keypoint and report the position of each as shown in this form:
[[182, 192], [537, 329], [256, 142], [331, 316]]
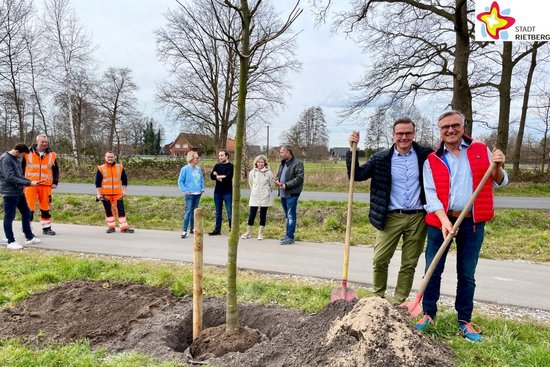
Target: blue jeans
[[468, 245], [19, 202], [219, 199], [289, 208], [191, 203]]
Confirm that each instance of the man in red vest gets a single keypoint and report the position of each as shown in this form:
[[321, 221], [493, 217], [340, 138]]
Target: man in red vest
[[110, 183], [451, 175], [41, 165]]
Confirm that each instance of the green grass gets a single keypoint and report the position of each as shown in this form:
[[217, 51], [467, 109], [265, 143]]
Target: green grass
[[513, 234], [506, 342]]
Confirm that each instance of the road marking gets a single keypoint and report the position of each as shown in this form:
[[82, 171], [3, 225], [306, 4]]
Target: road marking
[[504, 279]]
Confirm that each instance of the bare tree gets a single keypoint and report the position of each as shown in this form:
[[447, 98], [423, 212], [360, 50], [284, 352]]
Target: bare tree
[[115, 95], [309, 134], [543, 128], [376, 136], [14, 58], [204, 71], [71, 50]]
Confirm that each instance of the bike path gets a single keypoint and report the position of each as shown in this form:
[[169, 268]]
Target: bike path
[[513, 283]]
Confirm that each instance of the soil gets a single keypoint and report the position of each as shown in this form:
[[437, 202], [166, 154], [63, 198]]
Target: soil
[[149, 320]]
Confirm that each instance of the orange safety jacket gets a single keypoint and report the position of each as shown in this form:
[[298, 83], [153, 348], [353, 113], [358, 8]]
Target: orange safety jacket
[[40, 168], [483, 208], [111, 183]]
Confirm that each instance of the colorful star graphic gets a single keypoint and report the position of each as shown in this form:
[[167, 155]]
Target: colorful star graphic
[[494, 21]]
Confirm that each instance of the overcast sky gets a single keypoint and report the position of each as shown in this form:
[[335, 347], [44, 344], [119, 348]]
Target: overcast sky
[[123, 31]]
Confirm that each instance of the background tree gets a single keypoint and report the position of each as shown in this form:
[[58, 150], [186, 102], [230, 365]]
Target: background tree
[[14, 57], [71, 49], [203, 87], [115, 95], [376, 136], [309, 136]]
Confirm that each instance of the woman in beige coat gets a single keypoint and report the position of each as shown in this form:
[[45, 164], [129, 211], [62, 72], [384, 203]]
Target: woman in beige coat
[[260, 180]]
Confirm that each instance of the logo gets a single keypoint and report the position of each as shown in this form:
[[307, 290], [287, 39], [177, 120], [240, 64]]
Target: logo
[[495, 22]]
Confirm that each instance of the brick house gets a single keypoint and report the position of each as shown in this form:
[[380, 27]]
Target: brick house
[[203, 144]]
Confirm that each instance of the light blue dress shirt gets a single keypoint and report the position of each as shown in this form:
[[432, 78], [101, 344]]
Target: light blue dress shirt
[[461, 181], [405, 181]]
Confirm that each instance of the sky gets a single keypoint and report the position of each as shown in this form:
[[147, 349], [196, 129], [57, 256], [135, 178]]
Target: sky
[[123, 31]]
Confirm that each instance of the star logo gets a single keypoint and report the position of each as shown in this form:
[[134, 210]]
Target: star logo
[[494, 21]]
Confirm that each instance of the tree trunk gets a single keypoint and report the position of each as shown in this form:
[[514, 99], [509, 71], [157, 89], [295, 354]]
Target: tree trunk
[[232, 316], [462, 95], [504, 97], [519, 141], [73, 127]]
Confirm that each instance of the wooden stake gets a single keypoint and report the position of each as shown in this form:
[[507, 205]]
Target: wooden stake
[[197, 271]]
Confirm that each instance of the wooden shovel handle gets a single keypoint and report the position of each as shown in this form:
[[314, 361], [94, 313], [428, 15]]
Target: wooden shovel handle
[[450, 236], [347, 239]]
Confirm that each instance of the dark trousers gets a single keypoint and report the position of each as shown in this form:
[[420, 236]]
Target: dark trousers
[[10, 204], [254, 211], [219, 200]]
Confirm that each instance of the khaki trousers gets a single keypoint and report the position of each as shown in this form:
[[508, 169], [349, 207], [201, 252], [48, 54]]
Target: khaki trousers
[[412, 229]]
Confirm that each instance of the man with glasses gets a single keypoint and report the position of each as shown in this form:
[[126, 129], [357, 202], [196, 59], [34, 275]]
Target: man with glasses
[[451, 175], [396, 205]]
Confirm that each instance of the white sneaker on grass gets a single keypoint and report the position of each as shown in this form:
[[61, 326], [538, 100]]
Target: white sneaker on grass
[[14, 246], [33, 241]]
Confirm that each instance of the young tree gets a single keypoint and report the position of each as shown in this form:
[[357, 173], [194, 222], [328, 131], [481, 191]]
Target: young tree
[[246, 45]]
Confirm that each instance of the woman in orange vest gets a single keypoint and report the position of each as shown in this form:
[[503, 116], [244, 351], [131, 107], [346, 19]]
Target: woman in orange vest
[[110, 183]]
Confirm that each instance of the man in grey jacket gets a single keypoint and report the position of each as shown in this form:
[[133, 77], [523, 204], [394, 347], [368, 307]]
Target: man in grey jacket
[[290, 180], [12, 182]]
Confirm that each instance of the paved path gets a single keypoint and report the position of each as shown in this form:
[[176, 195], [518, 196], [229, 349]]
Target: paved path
[[361, 197], [512, 283]]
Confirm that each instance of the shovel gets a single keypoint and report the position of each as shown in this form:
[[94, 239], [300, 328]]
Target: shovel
[[414, 307], [344, 292]]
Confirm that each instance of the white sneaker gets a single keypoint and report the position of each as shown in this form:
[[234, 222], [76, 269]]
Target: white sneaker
[[33, 241], [14, 246], [4, 241]]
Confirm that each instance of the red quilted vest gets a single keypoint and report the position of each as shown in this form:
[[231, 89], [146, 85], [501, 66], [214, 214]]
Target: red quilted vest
[[483, 209]]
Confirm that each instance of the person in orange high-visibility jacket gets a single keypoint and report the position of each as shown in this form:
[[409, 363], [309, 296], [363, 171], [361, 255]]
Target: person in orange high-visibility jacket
[[110, 183], [41, 165]]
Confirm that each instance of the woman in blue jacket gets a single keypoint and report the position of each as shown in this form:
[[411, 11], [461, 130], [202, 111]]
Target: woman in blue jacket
[[191, 182]]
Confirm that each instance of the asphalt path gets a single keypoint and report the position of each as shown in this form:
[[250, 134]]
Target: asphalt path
[[508, 283], [510, 202]]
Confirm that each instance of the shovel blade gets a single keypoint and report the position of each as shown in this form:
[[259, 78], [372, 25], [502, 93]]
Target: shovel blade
[[345, 293], [413, 307]]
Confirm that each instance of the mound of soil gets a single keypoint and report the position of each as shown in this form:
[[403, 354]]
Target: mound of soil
[[130, 317]]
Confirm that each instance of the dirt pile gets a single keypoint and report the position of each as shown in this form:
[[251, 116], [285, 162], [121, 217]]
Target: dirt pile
[[129, 317]]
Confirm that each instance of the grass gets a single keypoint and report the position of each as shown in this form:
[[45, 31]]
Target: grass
[[506, 342], [512, 235]]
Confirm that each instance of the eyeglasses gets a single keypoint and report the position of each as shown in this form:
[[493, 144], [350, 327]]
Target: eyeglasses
[[451, 126], [408, 134]]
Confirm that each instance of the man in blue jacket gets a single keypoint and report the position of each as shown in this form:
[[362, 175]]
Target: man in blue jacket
[[396, 205], [12, 182]]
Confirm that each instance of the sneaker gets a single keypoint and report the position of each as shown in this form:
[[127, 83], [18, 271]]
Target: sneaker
[[470, 331], [33, 241], [14, 246], [287, 241], [110, 230], [424, 322], [4, 241], [48, 231], [215, 233], [183, 234], [127, 230]]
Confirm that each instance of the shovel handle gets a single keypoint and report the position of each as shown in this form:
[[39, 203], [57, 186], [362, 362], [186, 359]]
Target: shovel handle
[[450, 236], [347, 239]]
